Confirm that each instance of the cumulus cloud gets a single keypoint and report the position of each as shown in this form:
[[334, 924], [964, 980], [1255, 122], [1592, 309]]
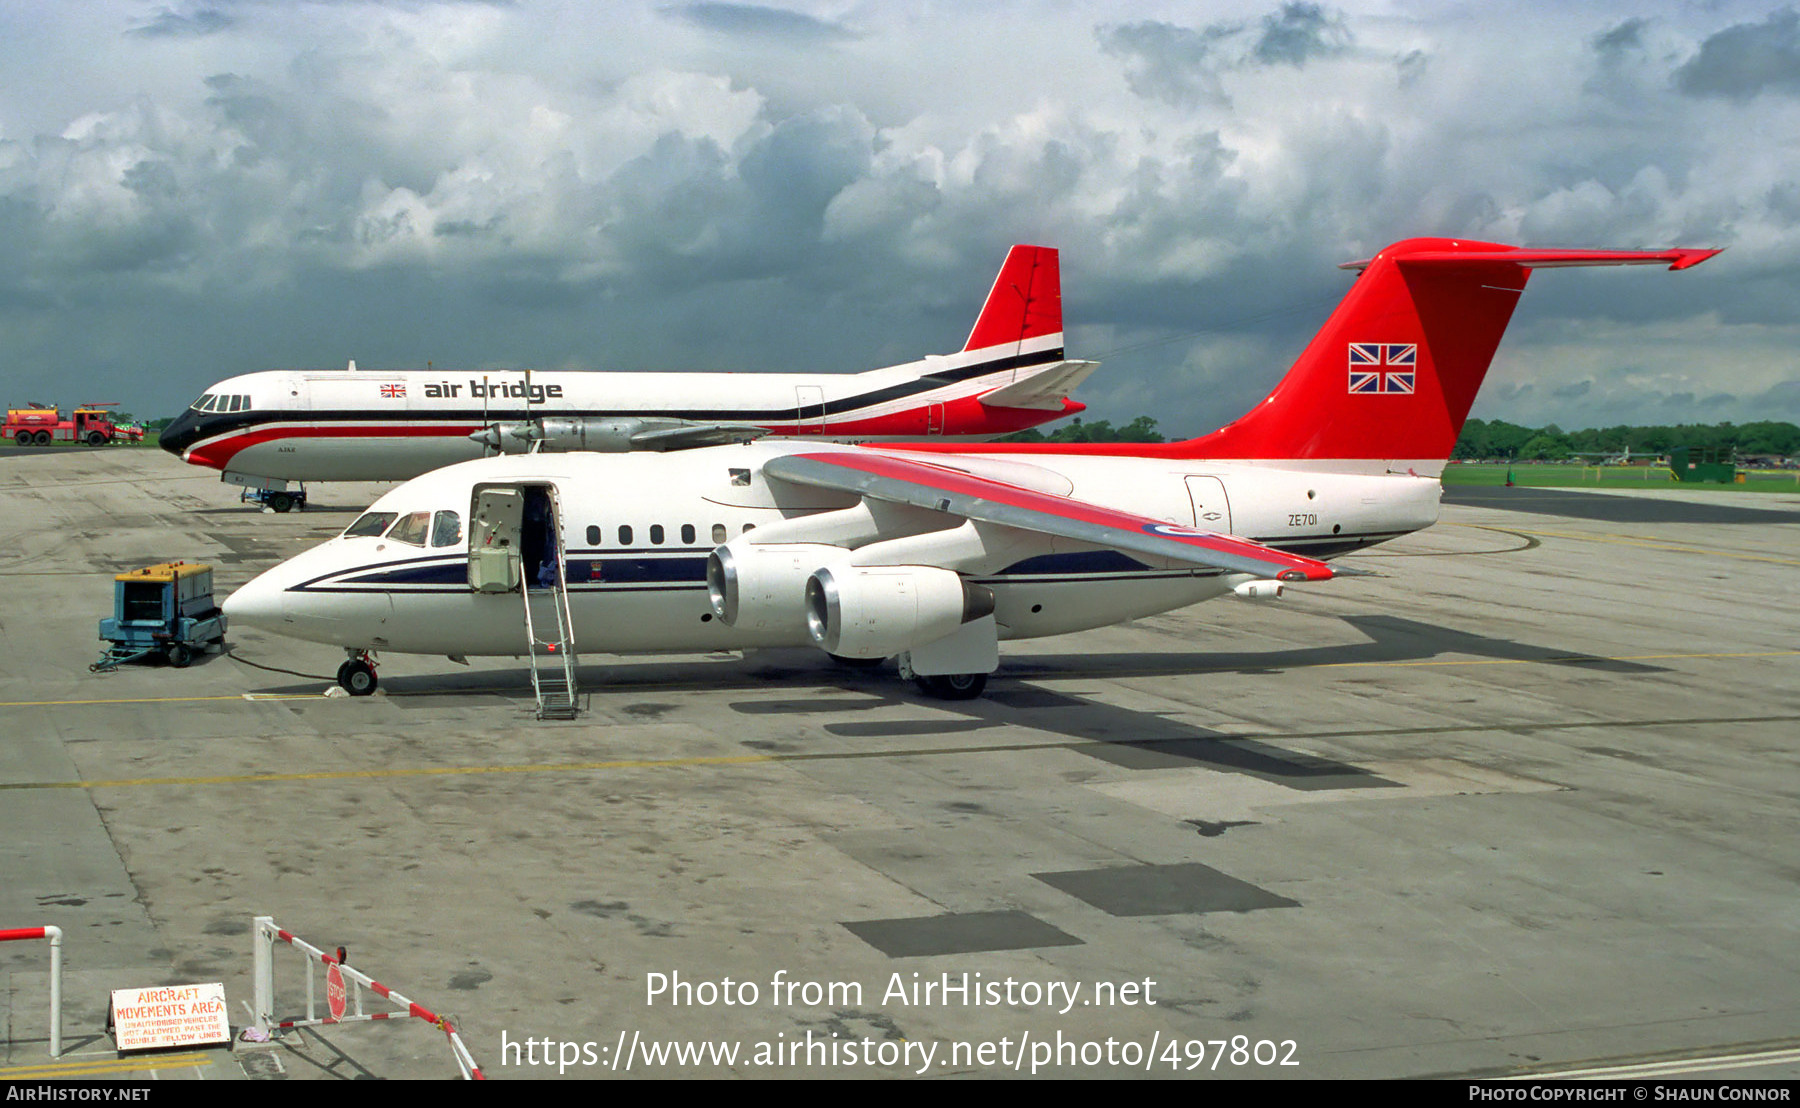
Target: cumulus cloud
[[1177, 65], [1300, 32], [1183, 66], [221, 187], [172, 24], [793, 27], [1745, 59]]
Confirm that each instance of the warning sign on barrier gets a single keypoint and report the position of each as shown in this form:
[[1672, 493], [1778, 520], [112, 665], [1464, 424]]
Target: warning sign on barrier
[[334, 991], [170, 1015]]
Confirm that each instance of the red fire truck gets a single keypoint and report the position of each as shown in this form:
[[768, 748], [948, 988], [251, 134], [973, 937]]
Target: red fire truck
[[41, 425]]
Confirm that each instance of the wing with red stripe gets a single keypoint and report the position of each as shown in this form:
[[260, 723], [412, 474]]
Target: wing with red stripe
[[925, 485]]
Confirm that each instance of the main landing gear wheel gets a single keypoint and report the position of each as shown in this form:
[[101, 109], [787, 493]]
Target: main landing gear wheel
[[357, 677], [953, 686]]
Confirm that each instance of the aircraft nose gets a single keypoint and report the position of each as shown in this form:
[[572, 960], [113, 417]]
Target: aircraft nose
[[260, 602], [180, 433]]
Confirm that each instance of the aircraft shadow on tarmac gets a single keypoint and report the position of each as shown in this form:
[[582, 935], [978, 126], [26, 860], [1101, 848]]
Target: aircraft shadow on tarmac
[[1125, 737], [313, 508], [1616, 509]]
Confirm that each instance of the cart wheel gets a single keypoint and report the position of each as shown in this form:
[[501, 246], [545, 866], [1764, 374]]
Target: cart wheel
[[357, 677], [281, 501], [180, 654]]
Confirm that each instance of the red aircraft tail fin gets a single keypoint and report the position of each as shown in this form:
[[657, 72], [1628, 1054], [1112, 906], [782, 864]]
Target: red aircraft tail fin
[[1394, 370], [1025, 302]]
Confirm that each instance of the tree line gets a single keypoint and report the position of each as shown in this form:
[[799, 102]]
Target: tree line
[[1496, 438]]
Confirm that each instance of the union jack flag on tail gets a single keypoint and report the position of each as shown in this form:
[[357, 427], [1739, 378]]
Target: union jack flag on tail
[[1377, 367]]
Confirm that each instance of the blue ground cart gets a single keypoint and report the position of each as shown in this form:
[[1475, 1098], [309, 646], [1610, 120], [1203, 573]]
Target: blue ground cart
[[163, 609]]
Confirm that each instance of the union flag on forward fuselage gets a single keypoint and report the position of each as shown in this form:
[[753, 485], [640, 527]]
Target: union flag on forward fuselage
[[393, 392], [1382, 367]]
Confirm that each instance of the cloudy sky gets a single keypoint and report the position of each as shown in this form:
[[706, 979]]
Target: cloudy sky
[[191, 189]]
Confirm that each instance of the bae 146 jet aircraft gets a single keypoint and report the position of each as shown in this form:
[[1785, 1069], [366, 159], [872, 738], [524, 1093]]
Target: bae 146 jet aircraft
[[931, 554], [275, 429]]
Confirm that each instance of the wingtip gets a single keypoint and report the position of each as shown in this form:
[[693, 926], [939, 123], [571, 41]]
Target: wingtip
[[1688, 259]]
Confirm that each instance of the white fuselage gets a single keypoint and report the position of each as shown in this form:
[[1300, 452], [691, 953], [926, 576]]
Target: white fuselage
[[372, 425], [636, 530]]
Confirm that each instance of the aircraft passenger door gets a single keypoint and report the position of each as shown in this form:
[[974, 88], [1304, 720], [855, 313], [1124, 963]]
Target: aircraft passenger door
[[495, 539], [934, 419], [1212, 511], [809, 410]]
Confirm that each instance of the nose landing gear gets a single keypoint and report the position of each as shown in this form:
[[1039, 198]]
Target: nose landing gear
[[357, 675]]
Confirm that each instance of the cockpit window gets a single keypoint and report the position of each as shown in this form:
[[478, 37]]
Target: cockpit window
[[446, 529], [221, 402], [369, 525], [411, 530]]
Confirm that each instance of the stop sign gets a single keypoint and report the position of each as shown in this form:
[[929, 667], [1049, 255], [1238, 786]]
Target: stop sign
[[334, 991]]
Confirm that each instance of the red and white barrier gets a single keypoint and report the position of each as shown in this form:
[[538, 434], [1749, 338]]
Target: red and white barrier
[[341, 1008], [54, 934]]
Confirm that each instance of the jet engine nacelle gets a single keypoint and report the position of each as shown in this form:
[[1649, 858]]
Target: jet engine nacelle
[[877, 611], [758, 586], [1257, 590]]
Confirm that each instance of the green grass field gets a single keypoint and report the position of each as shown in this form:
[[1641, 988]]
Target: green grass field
[[1611, 477]]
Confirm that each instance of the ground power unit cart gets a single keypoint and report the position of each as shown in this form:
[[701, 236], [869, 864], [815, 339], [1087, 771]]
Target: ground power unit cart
[[163, 609]]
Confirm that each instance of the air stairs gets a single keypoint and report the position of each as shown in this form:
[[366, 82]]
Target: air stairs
[[551, 649]]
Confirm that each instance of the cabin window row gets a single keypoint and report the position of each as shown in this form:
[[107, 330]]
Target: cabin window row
[[659, 534]]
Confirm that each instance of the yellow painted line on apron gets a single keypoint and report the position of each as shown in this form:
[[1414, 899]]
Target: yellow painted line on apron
[[102, 1067], [1024, 660], [429, 771], [831, 755], [1558, 660], [157, 700]]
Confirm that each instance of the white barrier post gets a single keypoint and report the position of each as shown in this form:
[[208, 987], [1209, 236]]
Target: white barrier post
[[266, 934], [263, 970], [55, 935]]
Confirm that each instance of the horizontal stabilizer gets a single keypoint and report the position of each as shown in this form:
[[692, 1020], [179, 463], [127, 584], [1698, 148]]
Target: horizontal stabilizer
[[1676, 258], [1044, 389]]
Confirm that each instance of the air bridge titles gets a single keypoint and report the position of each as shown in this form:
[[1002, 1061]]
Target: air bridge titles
[[495, 390], [917, 990]]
